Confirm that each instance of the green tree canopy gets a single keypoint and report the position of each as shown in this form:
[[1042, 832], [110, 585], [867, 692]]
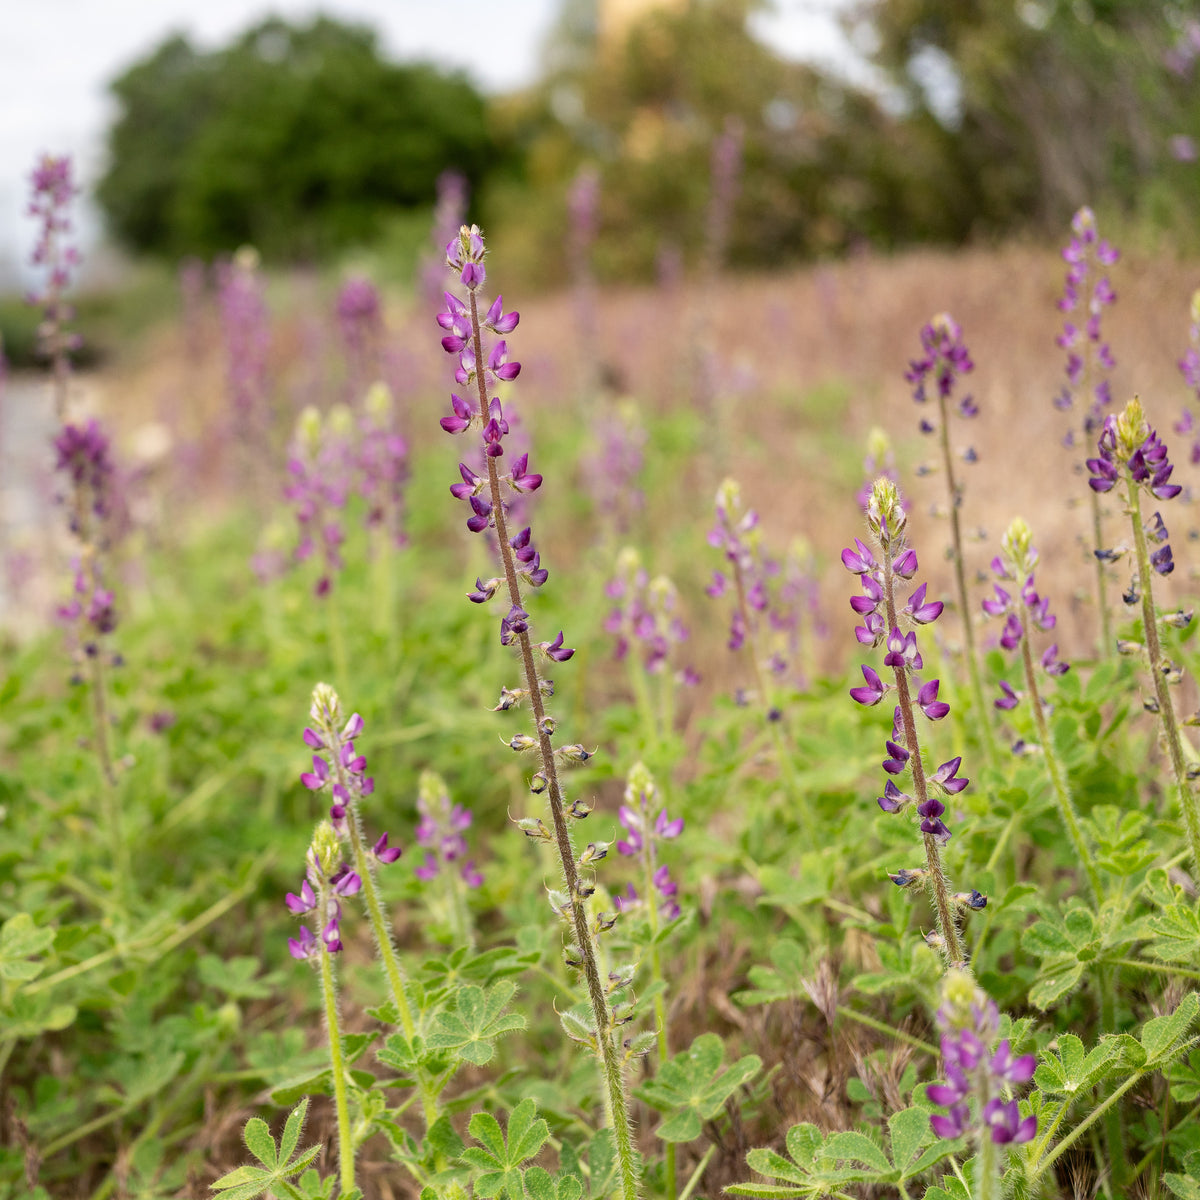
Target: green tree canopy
[[296, 139]]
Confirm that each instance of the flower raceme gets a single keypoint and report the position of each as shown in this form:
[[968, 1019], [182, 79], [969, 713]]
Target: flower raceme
[[878, 568]]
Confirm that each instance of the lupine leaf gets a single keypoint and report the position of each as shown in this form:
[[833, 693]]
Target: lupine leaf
[[443, 1139], [693, 1088], [1161, 1036], [20, 940], [479, 1017], [909, 1130], [1055, 980], [1177, 933], [1068, 1071], [1186, 1187], [260, 1143], [780, 982], [859, 1148], [246, 1182]]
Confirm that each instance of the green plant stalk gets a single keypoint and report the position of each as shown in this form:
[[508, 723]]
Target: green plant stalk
[[987, 1168], [1041, 1164], [615, 1102], [883, 1027], [1106, 637], [764, 695], [939, 889], [970, 653], [1162, 691], [1058, 779], [698, 1173], [337, 1063], [660, 1008]]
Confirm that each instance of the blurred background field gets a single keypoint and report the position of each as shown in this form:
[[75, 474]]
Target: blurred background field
[[723, 244]]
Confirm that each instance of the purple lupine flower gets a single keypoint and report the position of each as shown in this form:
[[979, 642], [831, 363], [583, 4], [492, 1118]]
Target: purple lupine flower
[[360, 322], [646, 827], [1023, 609], [52, 187], [440, 829], [943, 361], [327, 877], [320, 476], [448, 214], [1087, 292], [977, 1078], [645, 617], [382, 465], [613, 461], [246, 331]]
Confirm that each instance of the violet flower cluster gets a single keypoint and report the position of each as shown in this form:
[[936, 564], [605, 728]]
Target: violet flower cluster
[[449, 212], [1086, 294], [327, 879], [52, 189], [614, 461], [943, 361], [645, 618], [319, 468], [977, 1094], [647, 825], [1129, 447], [725, 173], [894, 627], [360, 322], [763, 617], [439, 833], [1019, 604], [83, 459], [382, 465], [247, 334], [1189, 368]]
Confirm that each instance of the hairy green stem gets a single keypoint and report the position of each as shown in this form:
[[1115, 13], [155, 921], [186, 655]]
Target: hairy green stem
[[616, 1104], [1162, 691], [337, 1062], [954, 493], [1042, 1164], [660, 1008], [1058, 778], [939, 889], [698, 1173]]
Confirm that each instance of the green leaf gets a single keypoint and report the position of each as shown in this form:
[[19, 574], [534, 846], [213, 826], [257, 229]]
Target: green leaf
[[1068, 1071], [1161, 1036], [247, 1182], [478, 1018], [1186, 1187], [527, 1132], [443, 1139], [20, 940], [910, 1132], [1177, 932], [858, 1147], [1056, 980], [691, 1087], [260, 1143]]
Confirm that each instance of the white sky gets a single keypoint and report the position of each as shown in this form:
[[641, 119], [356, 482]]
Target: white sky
[[57, 57]]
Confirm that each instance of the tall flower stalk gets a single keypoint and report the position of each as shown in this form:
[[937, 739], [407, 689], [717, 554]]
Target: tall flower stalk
[[340, 770], [1022, 610], [882, 616], [1086, 294], [479, 368], [326, 881], [1133, 455], [440, 833], [946, 359]]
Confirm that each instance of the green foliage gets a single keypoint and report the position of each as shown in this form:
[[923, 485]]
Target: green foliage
[[278, 1164], [298, 140], [692, 1087], [498, 1158]]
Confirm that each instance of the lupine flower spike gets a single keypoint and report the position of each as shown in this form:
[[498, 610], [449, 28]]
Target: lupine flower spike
[[1133, 455], [440, 833], [1018, 604], [327, 879], [1086, 294], [53, 187], [339, 769], [479, 368], [944, 361], [878, 568], [1189, 367], [980, 1078]]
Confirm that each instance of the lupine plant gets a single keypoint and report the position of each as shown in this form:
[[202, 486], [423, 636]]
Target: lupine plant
[[1086, 294], [1189, 368], [944, 360], [246, 331], [882, 617], [1132, 455], [481, 369], [441, 833]]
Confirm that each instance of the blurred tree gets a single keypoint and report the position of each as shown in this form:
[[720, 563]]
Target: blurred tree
[[296, 139], [1039, 105]]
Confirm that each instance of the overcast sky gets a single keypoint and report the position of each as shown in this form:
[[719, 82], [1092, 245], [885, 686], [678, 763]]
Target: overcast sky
[[57, 57]]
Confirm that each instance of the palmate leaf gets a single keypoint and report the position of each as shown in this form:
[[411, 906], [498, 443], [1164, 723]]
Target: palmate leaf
[[477, 1020], [1162, 1038], [498, 1159], [1069, 1070], [693, 1088], [1187, 1186], [20, 940], [278, 1165], [1176, 933], [781, 981]]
